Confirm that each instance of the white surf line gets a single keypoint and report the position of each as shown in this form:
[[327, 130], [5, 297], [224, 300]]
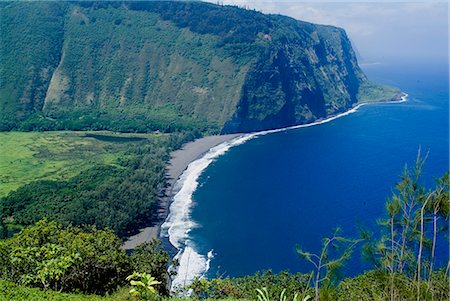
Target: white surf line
[[178, 223], [352, 110]]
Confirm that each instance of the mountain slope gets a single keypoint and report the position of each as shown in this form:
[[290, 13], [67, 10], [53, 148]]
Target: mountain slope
[[143, 66]]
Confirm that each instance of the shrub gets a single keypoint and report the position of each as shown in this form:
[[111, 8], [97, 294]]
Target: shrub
[[245, 287], [65, 259], [150, 257], [376, 285]]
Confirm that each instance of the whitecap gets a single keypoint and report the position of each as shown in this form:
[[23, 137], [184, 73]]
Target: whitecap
[[178, 223]]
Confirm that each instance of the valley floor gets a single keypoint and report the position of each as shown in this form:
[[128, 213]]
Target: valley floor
[[57, 155]]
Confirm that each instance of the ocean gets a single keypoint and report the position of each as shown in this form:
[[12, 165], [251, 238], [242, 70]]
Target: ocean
[[246, 205]]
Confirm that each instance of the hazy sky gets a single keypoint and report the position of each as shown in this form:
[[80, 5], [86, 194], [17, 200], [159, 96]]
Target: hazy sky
[[381, 30]]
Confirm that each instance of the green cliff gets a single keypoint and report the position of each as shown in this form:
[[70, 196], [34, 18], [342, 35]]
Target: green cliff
[[168, 66]]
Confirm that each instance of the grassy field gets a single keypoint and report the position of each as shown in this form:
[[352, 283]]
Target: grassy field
[[13, 292], [29, 156]]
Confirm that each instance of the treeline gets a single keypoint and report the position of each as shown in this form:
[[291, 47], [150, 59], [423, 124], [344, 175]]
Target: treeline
[[84, 259], [124, 122], [122, 197], [233, 24], [72, 255]]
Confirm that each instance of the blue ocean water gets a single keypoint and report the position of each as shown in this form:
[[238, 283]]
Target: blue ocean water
[[256, 202]]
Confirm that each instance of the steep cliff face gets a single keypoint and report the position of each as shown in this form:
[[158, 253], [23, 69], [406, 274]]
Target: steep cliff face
[[141, 66], [307, 72], [30, 47]]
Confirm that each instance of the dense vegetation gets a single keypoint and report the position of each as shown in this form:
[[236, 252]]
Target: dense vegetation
[[186, 68], [31, 156], [50, 256], [120, 195], [28, 59], [171, 66], [67, 258], [15, 292]]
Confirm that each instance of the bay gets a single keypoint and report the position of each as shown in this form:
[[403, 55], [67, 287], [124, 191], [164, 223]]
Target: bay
[[256, 202]]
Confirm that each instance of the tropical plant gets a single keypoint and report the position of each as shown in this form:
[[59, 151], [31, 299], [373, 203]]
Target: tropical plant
[[49, 265], [151, 258], [436, 203], [245, 287], [263, 295], [377, 285], [143, 285], [439, 208]]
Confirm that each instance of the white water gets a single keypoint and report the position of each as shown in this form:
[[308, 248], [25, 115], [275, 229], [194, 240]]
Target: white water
[[179, 223]]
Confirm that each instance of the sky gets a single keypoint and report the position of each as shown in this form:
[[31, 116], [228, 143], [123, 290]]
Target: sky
[[380, 30]]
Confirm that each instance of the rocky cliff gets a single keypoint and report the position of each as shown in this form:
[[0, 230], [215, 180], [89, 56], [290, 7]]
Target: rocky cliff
[[144, 66]]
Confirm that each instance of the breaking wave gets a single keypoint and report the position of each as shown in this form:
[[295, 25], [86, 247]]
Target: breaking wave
[[179, 223]]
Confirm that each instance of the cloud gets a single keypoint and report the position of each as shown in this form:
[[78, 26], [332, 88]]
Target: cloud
[[378, 28]]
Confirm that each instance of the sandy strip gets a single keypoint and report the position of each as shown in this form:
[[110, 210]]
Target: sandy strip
[[194, 150], [180, 159]]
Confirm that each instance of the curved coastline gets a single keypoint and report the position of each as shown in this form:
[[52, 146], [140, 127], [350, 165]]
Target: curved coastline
[[180, 159], [178, 223], [199, 153]]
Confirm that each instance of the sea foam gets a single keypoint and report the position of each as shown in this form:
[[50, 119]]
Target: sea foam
[[179, 223]]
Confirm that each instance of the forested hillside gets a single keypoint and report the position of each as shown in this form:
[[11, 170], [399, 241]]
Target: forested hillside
[[84, 260], [170, 66], [107, 180]]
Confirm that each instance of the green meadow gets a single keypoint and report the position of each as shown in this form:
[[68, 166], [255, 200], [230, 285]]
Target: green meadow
[[29, 156]]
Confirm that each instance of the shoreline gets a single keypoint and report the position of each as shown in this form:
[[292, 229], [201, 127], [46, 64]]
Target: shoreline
[[195, 150], [178, 163], [179, 223]]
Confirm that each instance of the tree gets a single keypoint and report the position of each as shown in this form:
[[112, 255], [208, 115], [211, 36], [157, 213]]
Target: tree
[[327, 263], [49, 255], [414, 215], [435, 205], [151, 258], [47, 265], [394, 252], [439, 206]]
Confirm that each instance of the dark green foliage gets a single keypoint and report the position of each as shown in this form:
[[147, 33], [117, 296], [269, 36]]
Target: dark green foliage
[[232, 24], [121, 197], [245, 287], [14, 292], [126, 122], [73, 259], [65, 259], [151, 258], [30, 50], [171, 66], [376, 286]]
